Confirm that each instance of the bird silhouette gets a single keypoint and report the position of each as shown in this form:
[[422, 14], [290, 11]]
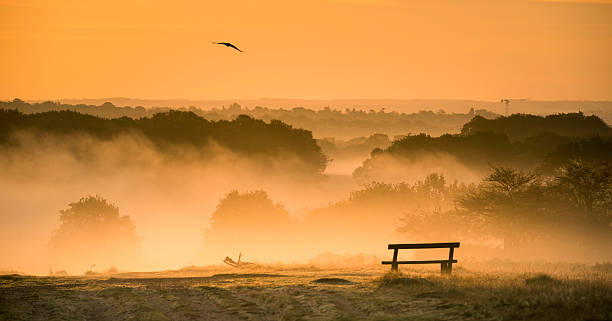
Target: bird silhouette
[[228, 45]]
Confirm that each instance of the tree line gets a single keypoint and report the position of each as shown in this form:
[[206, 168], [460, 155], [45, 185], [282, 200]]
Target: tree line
[[521, 126], [327, 122], [169, 131], [554, 140]]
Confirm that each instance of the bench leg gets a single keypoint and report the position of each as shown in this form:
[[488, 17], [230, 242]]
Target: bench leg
[[394, 264], [446, 267]]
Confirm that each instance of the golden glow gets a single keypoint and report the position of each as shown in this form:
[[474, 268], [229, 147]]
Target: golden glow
[[306, 49]]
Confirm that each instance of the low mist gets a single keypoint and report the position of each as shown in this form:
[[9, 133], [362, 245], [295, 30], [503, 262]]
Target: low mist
[[189, 210], [170, 199], [392, 169]]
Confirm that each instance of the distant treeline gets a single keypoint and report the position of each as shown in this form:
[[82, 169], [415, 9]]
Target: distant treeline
[[172, 129], [521, 126], [323, 123], [521, 141]]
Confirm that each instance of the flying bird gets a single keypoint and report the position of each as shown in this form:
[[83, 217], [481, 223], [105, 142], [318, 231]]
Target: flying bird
[[227, 44]]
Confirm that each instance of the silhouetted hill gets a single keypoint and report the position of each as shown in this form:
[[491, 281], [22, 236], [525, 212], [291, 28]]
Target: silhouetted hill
[[174, 129], [520, 126]]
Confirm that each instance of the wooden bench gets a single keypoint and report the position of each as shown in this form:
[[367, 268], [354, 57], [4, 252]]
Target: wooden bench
[[446, 266]]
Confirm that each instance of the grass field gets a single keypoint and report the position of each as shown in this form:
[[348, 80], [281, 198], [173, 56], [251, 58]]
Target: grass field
[[492, 291]]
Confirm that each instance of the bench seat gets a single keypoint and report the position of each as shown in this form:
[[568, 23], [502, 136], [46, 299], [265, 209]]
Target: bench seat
[[420, 262]]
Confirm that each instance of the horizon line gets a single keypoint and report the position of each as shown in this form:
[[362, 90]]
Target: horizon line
[[525, 100]]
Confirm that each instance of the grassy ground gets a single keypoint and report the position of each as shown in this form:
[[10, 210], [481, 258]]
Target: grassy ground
[[309, 293]]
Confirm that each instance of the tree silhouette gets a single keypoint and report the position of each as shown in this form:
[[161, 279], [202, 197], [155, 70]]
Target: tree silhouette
[[509, 199], [251, 223], [93, 232], [588, 187]]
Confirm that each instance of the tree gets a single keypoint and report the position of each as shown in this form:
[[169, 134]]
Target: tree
[[588, 187], [508, 199], [92, 231], [251, 223], [583, 196], [509, 182]]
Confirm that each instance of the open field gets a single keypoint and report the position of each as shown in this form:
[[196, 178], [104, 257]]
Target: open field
[[565, 292]]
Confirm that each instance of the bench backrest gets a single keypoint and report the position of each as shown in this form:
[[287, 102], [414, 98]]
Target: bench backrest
[[424, 246]]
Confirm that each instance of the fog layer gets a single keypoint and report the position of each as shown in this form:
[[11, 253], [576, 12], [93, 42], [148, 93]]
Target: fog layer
[[170, 199]]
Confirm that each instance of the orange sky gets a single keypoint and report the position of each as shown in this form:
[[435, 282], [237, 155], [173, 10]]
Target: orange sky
[[475, 49]]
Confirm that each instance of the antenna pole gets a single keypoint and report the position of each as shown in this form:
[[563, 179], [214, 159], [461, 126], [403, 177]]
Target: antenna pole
[[506, 101]]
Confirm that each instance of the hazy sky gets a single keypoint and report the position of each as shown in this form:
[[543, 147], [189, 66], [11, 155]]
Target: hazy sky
[[476, 49]]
